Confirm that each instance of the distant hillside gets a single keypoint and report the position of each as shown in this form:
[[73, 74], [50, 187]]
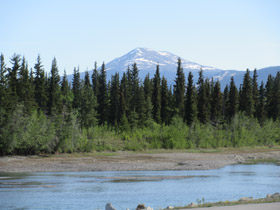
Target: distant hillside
[[147, 59]]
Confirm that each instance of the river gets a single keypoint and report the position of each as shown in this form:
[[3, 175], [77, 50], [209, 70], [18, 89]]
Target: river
[[126, 189]]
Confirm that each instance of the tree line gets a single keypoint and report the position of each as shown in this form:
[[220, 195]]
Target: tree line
[[42, 113]]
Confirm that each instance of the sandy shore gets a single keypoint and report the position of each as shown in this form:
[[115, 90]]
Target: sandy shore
[[261, 206], [119, 161]]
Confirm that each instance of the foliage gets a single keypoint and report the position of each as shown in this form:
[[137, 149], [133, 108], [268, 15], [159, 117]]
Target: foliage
[[41, 114]]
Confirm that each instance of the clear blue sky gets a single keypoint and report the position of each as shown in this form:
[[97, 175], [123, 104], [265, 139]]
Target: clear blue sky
[[227, 34]]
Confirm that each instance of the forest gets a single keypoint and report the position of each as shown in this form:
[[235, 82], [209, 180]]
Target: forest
[[43, 113]]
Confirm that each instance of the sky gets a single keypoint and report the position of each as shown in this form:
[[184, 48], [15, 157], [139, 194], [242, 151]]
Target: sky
[[226, 34]]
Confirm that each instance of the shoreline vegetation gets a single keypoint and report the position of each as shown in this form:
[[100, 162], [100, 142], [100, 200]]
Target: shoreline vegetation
[[42, 113], [275, 198]]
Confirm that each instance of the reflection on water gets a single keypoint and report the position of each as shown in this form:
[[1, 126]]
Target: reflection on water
[[126, 189]]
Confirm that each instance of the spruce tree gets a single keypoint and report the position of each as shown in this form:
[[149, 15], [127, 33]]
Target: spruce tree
[[41, 95], [148, 96], [142, 112], [232, 103], [191, 110], [179, 90], [246, 95], [276, 97], [156, 97], [165, 110], [255, 92], [114, 117], [261, 112], [202, 99], [13, 80], [54, 101], [216, 103], [77, 89], [269, 94], [225, 101], [3, 99], [66, 93], [95, 80], [88, 104], [102, 97]]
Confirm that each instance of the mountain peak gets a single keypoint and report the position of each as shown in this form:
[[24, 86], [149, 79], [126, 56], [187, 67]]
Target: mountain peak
[[147, 59]]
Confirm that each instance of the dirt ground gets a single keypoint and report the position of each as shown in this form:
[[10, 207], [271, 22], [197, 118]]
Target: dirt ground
[[128, 161]]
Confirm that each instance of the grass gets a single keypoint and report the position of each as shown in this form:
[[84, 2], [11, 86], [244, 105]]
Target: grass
[[232, 203]]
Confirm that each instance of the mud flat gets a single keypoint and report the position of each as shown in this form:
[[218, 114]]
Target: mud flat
[[128, 161]]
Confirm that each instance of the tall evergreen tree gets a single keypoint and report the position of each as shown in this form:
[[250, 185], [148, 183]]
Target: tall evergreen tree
[[179, 90], [88, 104], [191, 110], [276, 97], [102, 97], [3, 95], [202, 99], [54, 102], [156, 97], [165, 110], [95, 80], [246, 95], [41, 95], [114, 117], [232, 103], [148, 96], [269, 94], [77, 89], [66, 93], [261, 112], [225, 101], [13, 77], [255, 92], [216, 103], [135, 81]]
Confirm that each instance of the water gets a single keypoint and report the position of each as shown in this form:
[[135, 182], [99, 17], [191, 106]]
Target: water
[[126, 189]]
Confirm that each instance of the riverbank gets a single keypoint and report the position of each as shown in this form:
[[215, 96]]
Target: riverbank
[[259, 206], [136, 161]]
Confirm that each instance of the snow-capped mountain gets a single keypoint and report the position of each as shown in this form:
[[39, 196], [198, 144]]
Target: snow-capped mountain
[[147, 60]]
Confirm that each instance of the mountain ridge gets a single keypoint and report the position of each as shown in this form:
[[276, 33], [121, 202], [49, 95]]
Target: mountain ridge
[[147, 60]]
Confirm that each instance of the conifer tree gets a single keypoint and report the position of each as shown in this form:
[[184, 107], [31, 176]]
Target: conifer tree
[[77, 89], [95, 80], [102, 97], [232, 103], [246, 95], [255, 92], [66, 93], [202, 100], [23, 78], [191, 110], [114, 117], [156, 97], [123, 104], [148, 96], [135, 88], [54, 101], [142, 112], [225, 101], [179, 90], [148, 83], [13, 80], [276, 97], [261, 112], [216, 103], [41, 95], [3, 96], [88, 104], [269, 94], [165, 110]]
